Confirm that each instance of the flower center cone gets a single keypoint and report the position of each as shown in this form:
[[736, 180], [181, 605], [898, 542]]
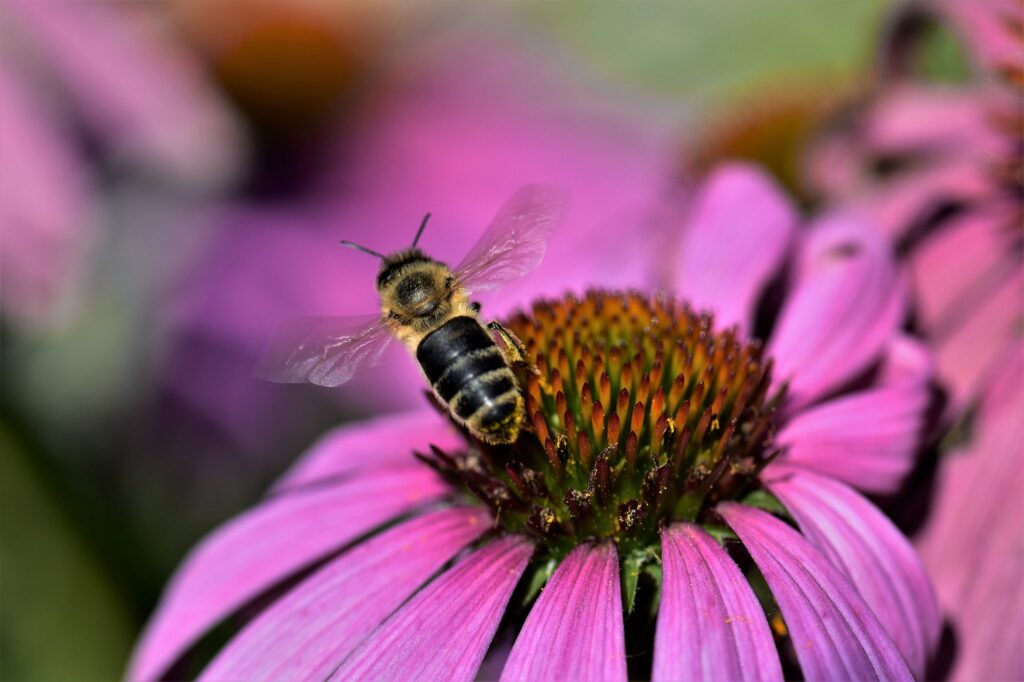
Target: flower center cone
[[638, 413]]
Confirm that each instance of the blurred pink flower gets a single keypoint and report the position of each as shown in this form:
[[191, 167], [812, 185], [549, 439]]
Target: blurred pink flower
[[45, 206], [975, 551], [854, 596], [73, 67], [938, 166], [454, 128], [119, 70]]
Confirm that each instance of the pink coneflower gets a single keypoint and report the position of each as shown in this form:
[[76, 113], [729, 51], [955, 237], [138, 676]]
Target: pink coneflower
[[110, 72], [938, 165], [682, 504], [984, 594]]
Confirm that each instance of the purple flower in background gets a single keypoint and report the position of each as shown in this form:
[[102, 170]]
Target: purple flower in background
[[974, 550], [665, 454], [144, 97], [454, 129], [109, 72], [938, 166], [44, 207]]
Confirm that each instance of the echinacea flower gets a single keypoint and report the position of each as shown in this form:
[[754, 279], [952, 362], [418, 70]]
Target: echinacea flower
[[107, 74], [938, 165], [677, 478], [985, 592]]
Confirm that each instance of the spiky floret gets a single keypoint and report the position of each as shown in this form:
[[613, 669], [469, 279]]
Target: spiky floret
[[638, 412]]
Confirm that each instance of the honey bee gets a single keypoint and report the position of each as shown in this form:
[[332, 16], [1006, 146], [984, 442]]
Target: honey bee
[[426, 305]]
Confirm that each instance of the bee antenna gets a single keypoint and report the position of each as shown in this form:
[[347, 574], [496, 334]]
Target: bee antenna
[[359, 247], [420, 231]]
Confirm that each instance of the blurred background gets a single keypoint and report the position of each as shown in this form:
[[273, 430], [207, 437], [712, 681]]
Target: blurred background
[[176, 176]]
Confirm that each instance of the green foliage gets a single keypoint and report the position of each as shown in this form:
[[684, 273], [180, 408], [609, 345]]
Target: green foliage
[[61, 617], [703, 50]]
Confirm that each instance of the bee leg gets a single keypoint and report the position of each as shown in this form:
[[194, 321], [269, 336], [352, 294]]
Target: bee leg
[[513, 348]]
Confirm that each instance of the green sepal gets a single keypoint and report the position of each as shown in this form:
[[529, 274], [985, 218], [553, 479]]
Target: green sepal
[[631, 567], [721, 534], [762, 499], [653, 570], [541, 574], [635, 563]]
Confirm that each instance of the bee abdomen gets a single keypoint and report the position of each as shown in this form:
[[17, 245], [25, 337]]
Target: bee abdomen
[[474, 364], [470, 374], [482, 392]]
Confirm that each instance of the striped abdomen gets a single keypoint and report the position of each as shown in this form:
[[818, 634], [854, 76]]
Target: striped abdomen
[[469, 373]]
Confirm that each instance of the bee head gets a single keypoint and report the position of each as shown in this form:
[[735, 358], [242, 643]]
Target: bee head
[[413, 285]]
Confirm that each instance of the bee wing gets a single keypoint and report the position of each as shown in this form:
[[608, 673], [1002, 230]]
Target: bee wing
[[323, 350], [515, 241]]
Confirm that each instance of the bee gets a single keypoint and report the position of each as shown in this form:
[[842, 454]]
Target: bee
[[426, 305]]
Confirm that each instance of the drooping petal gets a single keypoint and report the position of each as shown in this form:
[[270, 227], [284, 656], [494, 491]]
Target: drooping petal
[[958, 269], [265, 545], [355, 447], [834, 632], [972, 542], [45, 207], [310, 631], [710, 624], [869, 438], [967, 354], [574, 631], [860, 541], [907, 361], [908, 199], [847, 303], [991, 29], [913, 118], [738, 233], [444, 631], [144, 97]]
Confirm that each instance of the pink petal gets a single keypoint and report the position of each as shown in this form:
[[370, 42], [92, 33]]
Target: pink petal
[[309, 632], [834, 632], [865, 545], [958, 269], [138, 89], [972, 543], [710, 624], [574, 631], [265, 545], [868, 439], [904, 200], [934, 120], [444, 631], [356, 447], [965, 357], [989, 28], [907, 361], [44, 205], [847, 303], [740, 229]]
